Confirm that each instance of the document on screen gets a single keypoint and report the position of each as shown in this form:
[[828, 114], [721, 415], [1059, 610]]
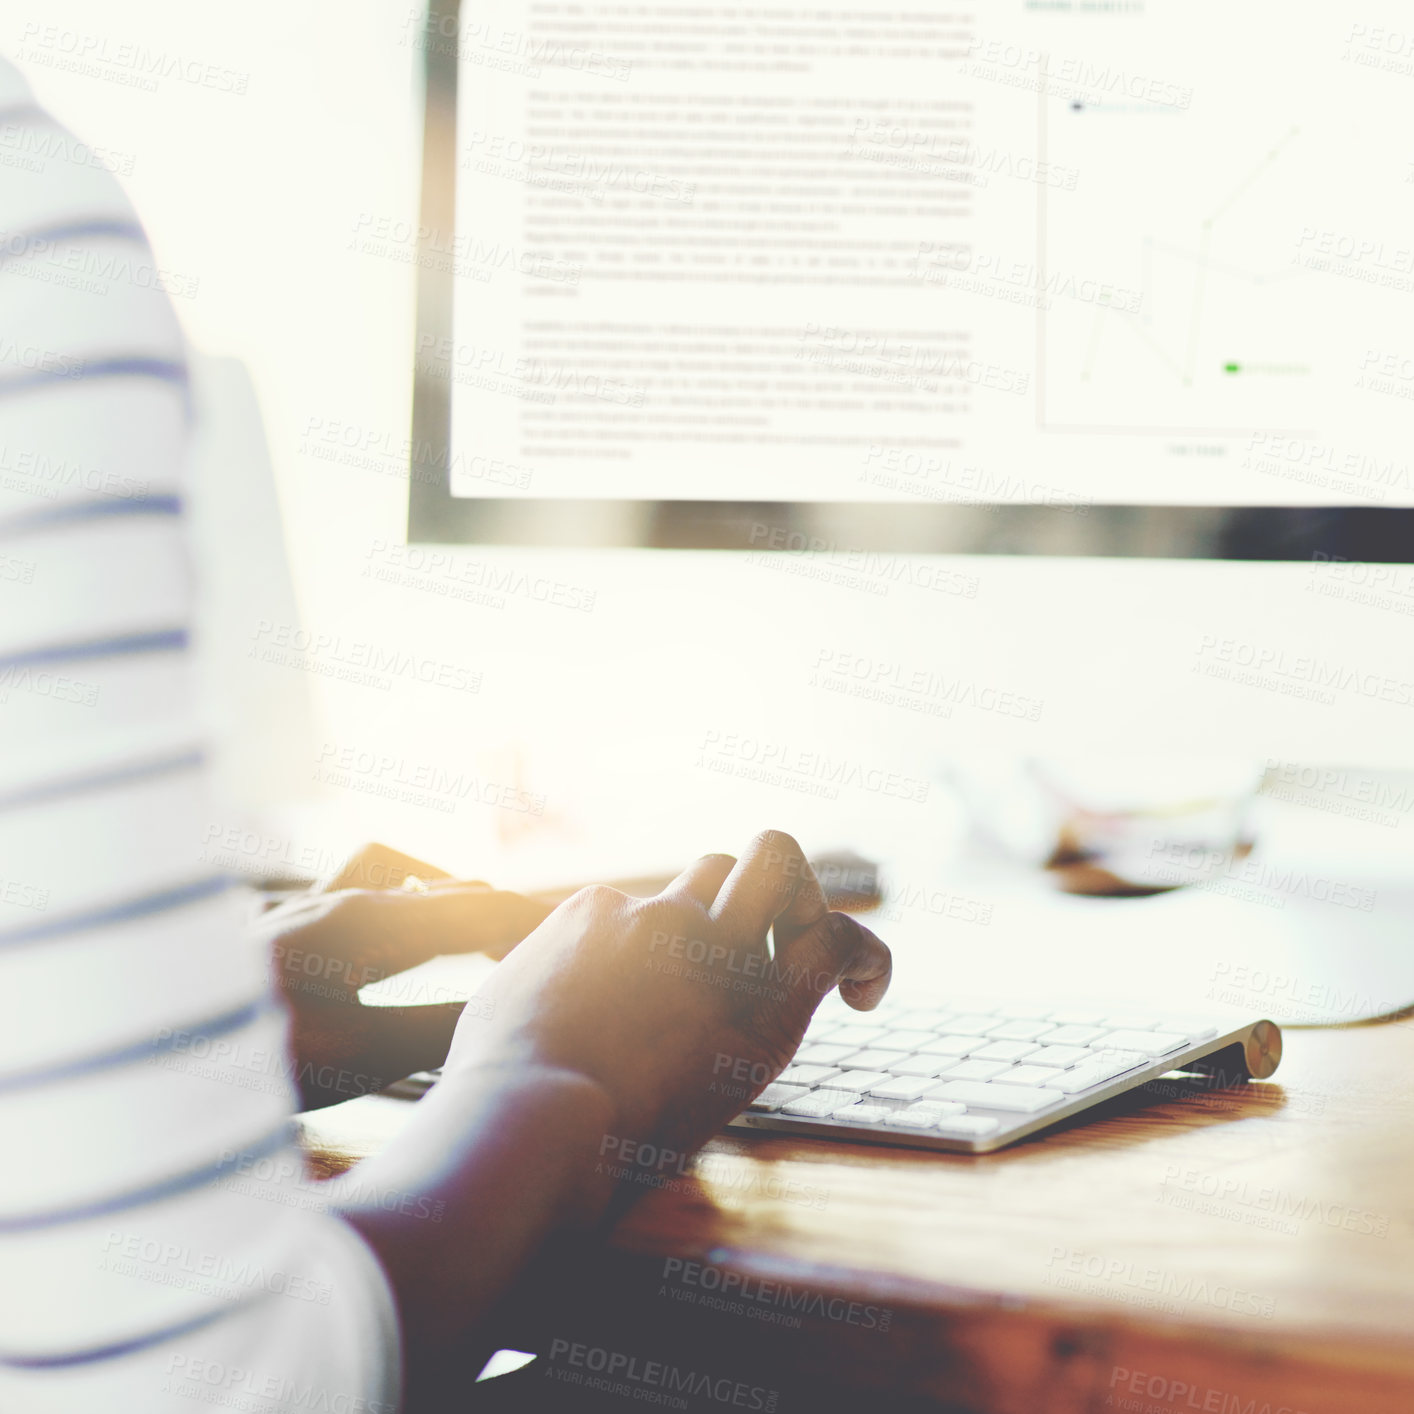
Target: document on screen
[[1139, 252]]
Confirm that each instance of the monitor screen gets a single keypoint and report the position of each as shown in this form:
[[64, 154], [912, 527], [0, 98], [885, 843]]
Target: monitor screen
[[725, 278]]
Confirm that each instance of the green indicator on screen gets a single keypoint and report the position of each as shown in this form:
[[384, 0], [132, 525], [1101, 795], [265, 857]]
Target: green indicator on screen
[[1232, 368]]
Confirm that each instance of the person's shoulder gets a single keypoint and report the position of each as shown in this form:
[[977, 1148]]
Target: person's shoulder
[[15, 91], [93, 375], [50, 178]]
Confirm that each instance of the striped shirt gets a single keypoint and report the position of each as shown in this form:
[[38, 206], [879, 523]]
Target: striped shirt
[[160, 1247]]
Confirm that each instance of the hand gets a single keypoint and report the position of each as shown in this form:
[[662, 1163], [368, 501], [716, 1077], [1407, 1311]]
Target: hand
[[616, 1020], [327, 945], [674, 1006]]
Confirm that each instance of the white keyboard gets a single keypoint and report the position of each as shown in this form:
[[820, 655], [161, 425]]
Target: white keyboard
[[972, 1076]]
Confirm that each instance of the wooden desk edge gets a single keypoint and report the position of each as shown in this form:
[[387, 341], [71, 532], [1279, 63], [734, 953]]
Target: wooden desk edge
[[970, 1349]]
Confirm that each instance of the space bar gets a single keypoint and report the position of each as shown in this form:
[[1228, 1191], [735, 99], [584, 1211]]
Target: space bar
[[996, 1097]]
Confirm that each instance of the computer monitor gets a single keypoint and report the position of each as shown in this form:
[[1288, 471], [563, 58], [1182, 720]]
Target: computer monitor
[[1056, 360], [765, 282]]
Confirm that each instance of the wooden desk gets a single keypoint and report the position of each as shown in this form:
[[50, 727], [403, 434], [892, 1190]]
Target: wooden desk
[[1235, 1251]]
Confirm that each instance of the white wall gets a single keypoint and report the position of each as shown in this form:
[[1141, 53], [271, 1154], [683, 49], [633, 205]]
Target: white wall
[[258, 195]]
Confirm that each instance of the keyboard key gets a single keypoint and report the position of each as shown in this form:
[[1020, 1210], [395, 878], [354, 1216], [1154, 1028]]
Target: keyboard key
[[807, 1074], [901, 1119], [859, 1032], [1080, 1077], [1005, 1050], [949, 1046], [938, 1021], [1072, 1035], [1018, 1030], [1194, 1030], [1132, 1020], [972, 1093], [1148, 1043], [919, 1065], [822, 1053], [915, 1118], [1097, 1071], [1059, 1056], [840, 1098], [982, 1006], [1025, 1075], [858, 1080], [1069, 1016], [872, 1058], [889, 1012], [921, 1019], [974, 1070], [939, 1109], [864, 1114], [972, 1025], [774, 1096], [1023, 1012], [819, 1104], [903, 1040], [904, 1087], [966, 1126]]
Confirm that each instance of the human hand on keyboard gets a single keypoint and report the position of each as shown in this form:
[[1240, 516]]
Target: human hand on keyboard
[[326, 945], [674, 1006], [618, 1024]]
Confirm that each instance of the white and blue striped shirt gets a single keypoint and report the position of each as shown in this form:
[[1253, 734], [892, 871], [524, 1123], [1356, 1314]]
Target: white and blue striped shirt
[[160, 1248]]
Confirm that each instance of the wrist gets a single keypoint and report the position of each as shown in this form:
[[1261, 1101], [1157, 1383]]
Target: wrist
[[491, 1163], [571, 1115], [480, 1122]]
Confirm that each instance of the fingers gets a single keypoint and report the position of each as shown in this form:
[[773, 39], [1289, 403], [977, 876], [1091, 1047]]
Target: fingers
[[345, 1054], [297, 910], [452, 919], [701, 880], [379, 866], [837, 949], [771, 883]]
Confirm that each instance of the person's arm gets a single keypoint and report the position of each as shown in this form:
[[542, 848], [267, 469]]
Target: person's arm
[[159, 1243], [587, 1041], [495, 1162]]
